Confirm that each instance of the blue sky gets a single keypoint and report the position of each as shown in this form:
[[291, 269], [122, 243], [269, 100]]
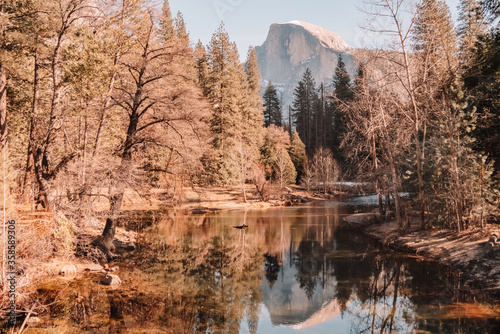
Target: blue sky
[[248, 21]]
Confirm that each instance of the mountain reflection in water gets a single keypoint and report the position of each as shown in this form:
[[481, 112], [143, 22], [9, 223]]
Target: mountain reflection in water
[[291, 270]]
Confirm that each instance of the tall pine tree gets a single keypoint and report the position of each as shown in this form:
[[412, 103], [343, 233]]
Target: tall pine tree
[[236, 123], [253, 113], [342, 95], [305, 97], [167, 23], [342, 82], [297, 152], [480, 51], [202, 67], [453, 199], [272, 106], [472, 27], [225, 91]]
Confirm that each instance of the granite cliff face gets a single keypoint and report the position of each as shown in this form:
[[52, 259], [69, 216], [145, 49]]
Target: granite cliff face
[[292, 47]]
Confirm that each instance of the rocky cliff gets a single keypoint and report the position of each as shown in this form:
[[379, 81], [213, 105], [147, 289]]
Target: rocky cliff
[[292, 47]]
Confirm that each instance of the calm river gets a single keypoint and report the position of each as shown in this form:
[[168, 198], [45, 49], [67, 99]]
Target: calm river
[[291, 271]]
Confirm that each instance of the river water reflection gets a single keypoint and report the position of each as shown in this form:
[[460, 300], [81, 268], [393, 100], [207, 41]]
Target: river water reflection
[[291, 271]]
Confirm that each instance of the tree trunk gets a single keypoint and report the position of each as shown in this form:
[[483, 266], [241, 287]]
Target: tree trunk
[[421, 198], [244, 191], [380, 201], [105, 241], [107, 104], [395, 189], [56, 92], [418, 148], [39, 153], [416, 119], [28, 173], [45, 197]]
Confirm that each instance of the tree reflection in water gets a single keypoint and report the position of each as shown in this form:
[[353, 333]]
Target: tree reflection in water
[[291, 269]]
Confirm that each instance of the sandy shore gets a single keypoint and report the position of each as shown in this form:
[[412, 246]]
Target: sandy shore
[[231, 198]]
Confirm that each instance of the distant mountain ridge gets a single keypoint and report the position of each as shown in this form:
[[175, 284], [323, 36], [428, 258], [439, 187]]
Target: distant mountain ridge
[[292, 47]]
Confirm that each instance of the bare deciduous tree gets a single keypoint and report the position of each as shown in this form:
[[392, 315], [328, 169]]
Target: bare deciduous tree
[[158, 101], [388, 17]]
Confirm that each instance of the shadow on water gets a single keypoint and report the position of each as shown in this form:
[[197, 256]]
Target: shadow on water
[[290, 270]]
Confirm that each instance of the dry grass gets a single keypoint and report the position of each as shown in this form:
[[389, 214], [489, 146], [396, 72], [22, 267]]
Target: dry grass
[[45, 244]]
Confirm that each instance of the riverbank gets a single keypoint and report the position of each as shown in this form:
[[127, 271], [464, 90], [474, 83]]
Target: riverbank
[[473, 253], [199, 201], [51, 244], [217, 198], [61, 269], [286, 254]]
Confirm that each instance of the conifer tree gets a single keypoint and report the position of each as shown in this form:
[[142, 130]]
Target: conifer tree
[[167, 23], [253, 112], [342, 82], [253, 73], [297, 153], [365, 139], [305, 97], [463, 193], [472, 27], [360, 81], [180, 27], [362, 140], [272, 111], [435, 43], [268, 154], [249, 138], [342, 95], [202, 67], [275, 156], [225, 94], [236, 120], [451, 120], [480, 50], [322, 118]]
